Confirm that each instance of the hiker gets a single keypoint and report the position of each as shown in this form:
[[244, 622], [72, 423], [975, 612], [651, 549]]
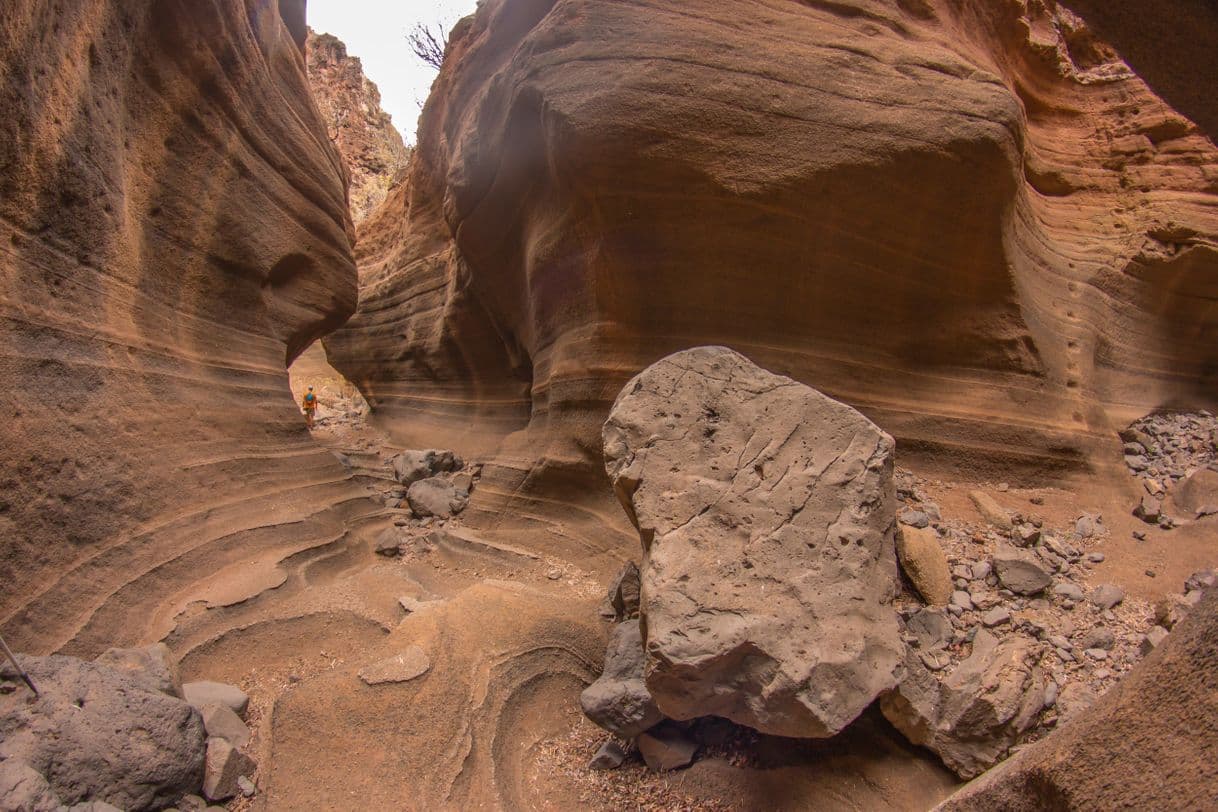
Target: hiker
[[310, 406]]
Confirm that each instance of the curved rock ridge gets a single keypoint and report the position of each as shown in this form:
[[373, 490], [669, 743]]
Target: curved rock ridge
[[350, 105], [970, 220], [173, 231]]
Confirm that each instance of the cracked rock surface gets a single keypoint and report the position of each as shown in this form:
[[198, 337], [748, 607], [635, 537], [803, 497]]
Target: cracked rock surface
[[767, 515]]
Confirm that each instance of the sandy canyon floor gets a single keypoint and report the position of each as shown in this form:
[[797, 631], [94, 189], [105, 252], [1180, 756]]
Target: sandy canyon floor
[[511, 638]]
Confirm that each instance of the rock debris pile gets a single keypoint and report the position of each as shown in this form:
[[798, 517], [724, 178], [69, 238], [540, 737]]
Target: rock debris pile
[[1176, 458], [119, 733]]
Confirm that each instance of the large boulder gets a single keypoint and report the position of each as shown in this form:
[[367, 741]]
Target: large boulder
[[411, 466], [619, 701], [971, 717], [436, 497], [767, 516], [97, 733]]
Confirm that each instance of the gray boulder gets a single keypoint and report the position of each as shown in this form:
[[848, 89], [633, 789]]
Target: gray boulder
[[972, 716], [96, 733], [619, 701], [151, 665], [411, 466], [767, 516], [436, 497], [203, 693], [389, 542], [1020, 572]]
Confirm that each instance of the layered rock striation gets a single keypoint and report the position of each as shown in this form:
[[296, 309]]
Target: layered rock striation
[[364, 134], [173, 232], [970, 220]]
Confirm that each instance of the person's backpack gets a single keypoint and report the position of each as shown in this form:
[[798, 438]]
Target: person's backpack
[[309, 398]]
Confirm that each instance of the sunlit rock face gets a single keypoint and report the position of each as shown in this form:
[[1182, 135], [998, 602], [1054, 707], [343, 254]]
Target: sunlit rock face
[[970, 220], [174, 231]]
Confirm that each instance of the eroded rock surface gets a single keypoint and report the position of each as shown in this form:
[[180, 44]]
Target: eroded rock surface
[[597, 185], [175, 231], [767, 516]]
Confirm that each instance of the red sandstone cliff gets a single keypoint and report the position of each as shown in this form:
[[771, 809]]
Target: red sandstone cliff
[[350, 106], [970, 220], [174, 232]]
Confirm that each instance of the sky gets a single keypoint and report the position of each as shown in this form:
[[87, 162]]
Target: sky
[[375, 31]]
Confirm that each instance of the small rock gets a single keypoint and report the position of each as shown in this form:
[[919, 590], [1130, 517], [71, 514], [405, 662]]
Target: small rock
[[388, 543], [1058, 641], [961, 600], [1069, 591], [1037, 500], [1200, 580], [1050, 694], [996, 617], [403, 667], [981, 570], [666, 748], [1152, 639], [203, 693], [1106, 596], [1088, 526], [1095, 558], [1140, 535], [913, 518], [248, 788], [1025, 535], [609, 756], [619, 700], [1102, 673], [1149, 573], [1096, 653], [1149, 509], [990, 510], [221, 722], [1020, 572], [1098, 638], [554, 574], [924, 562], [224, 765]]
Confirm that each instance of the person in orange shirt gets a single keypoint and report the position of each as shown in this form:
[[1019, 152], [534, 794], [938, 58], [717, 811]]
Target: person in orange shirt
[[309, 403]]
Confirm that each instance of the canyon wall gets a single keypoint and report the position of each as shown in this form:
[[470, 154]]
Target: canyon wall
[[350, 106], [972, 221], [173, 232]]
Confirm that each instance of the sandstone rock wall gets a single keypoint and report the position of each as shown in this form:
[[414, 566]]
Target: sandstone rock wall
[[173, 231], [350, 106], [970, 220]]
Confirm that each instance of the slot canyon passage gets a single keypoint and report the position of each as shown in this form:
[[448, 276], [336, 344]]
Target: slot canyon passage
[[699, 286]]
